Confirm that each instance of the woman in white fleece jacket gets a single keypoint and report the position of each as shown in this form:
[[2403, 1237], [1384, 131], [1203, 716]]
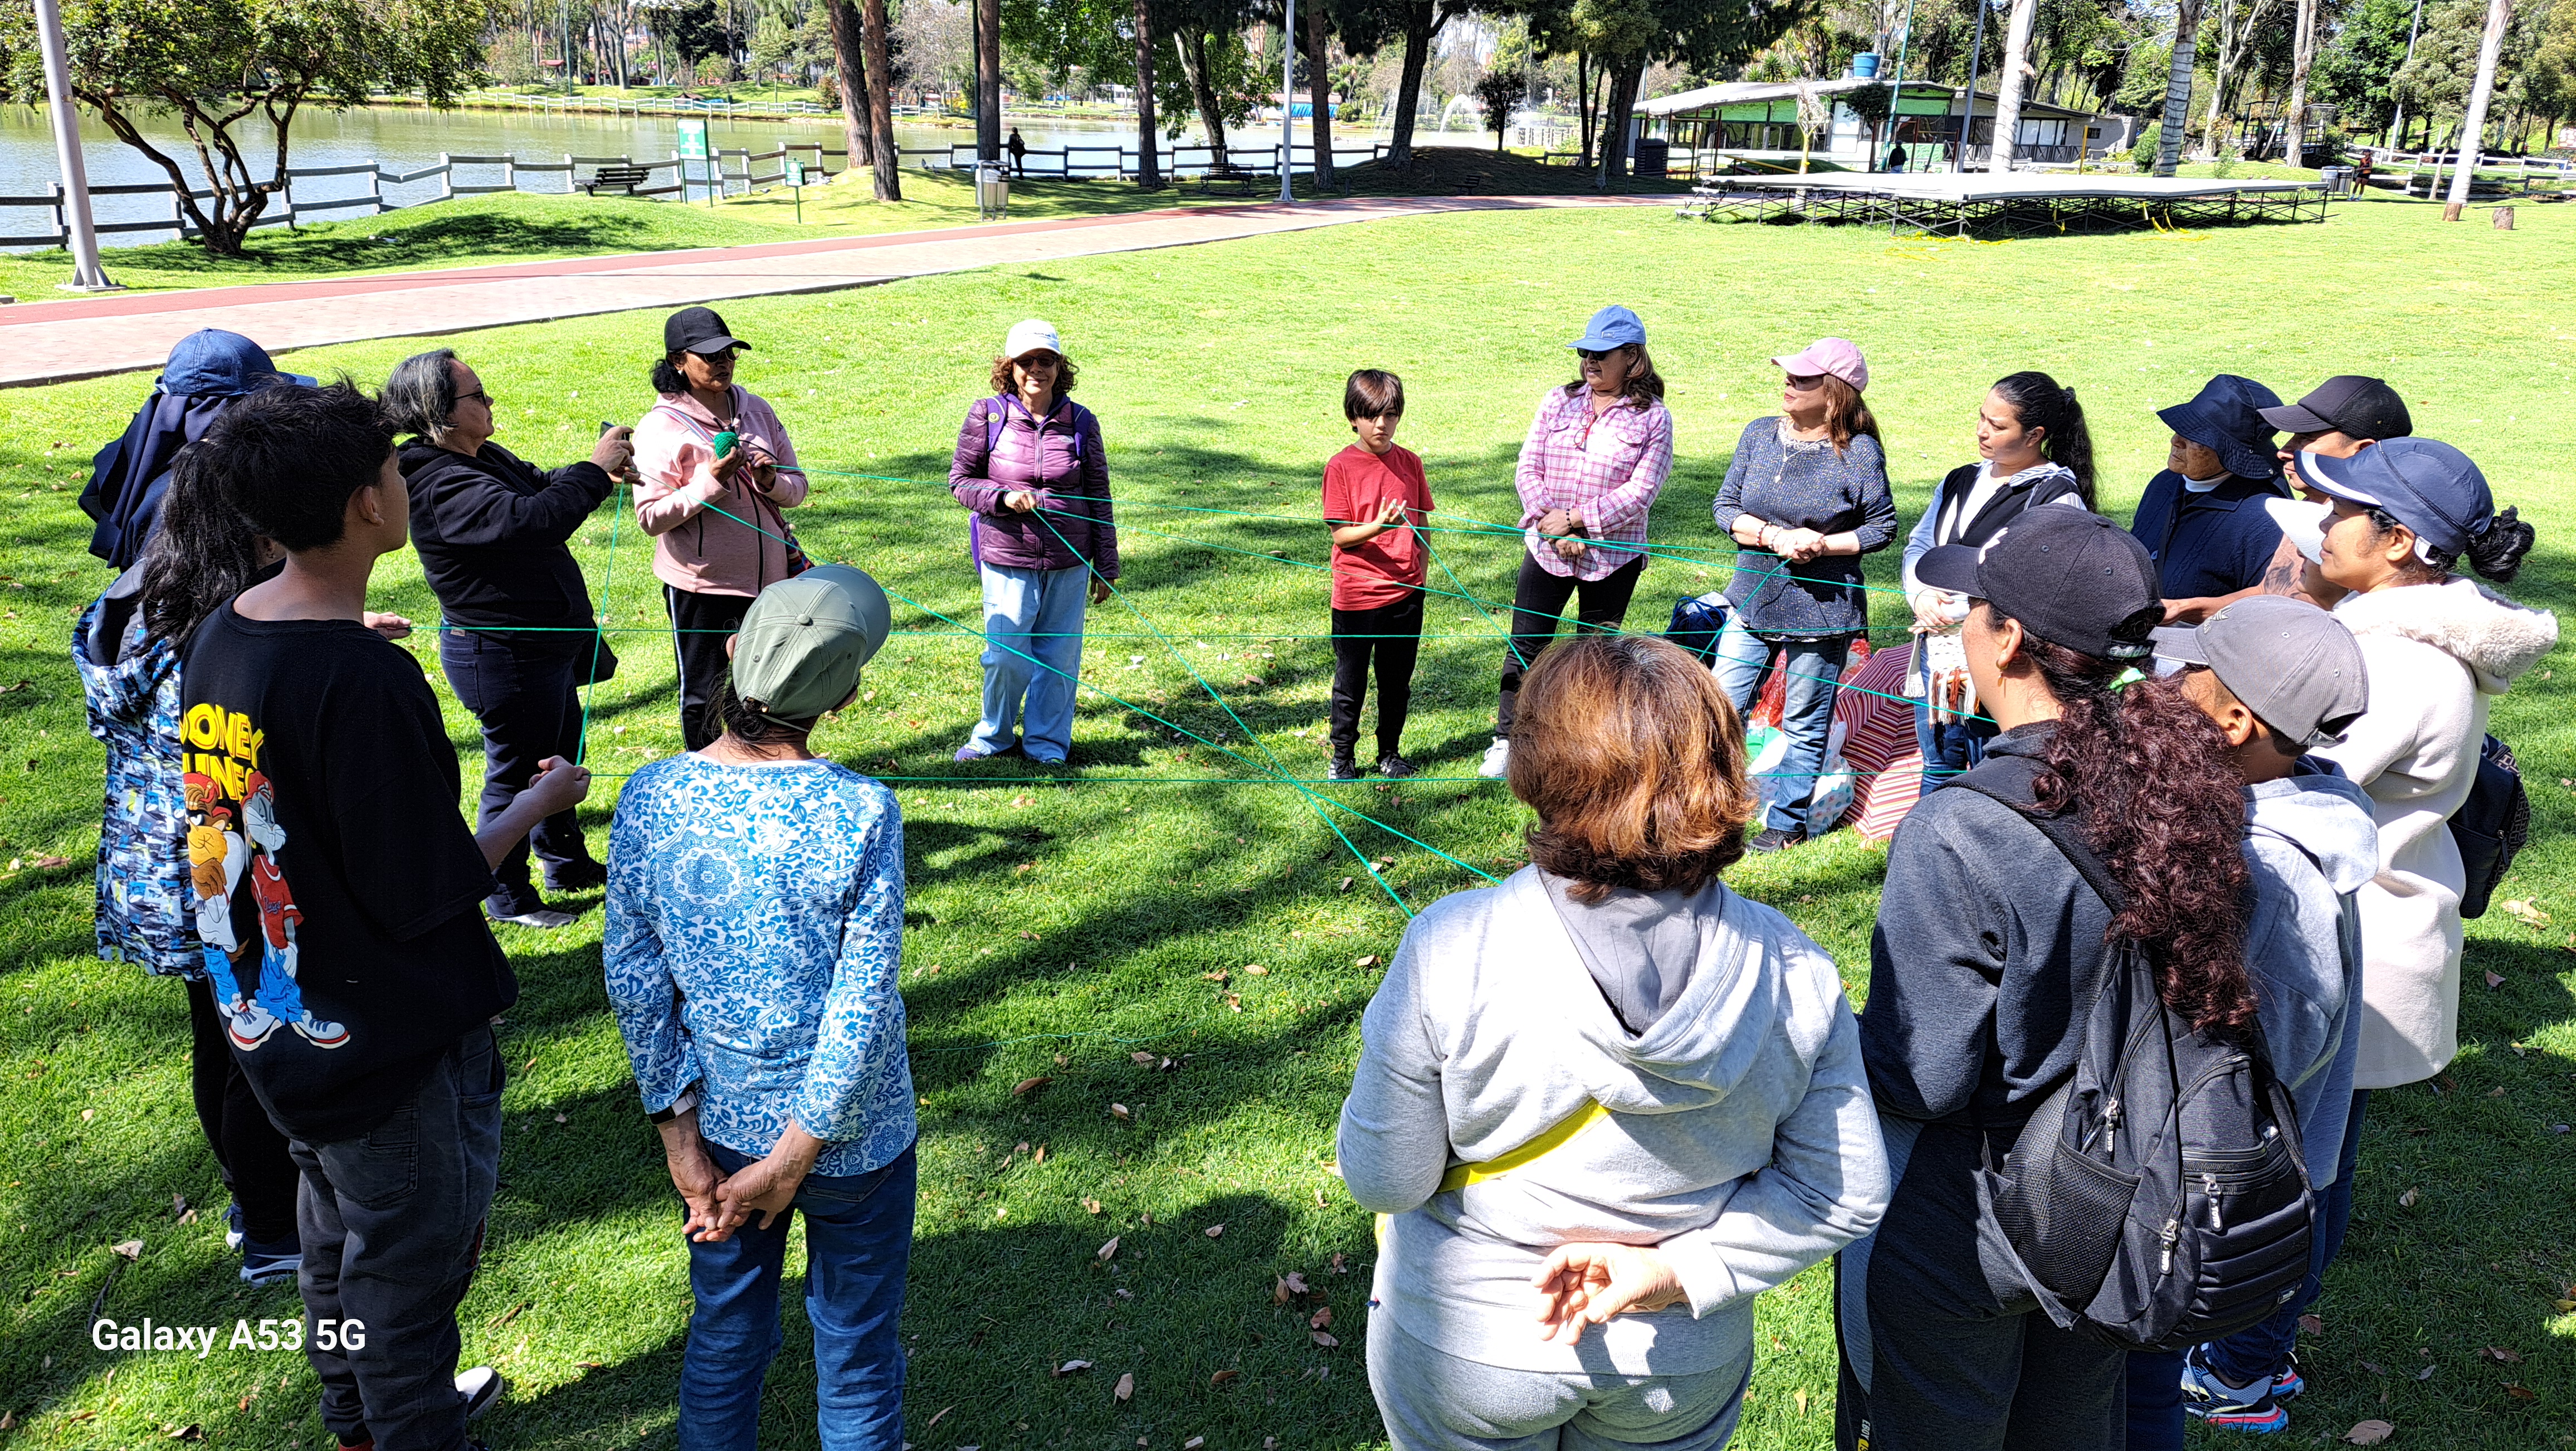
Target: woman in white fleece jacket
[[1608, 1087], [2440, 649]]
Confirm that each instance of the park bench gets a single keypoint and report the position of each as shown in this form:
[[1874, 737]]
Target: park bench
[[1235, 180], [620, 179]]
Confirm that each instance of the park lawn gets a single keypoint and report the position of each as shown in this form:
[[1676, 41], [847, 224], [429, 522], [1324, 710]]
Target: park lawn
[[1064, 926]]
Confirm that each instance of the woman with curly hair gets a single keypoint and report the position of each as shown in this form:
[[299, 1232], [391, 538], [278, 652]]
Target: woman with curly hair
[[1608, 1089], [1987, 954]]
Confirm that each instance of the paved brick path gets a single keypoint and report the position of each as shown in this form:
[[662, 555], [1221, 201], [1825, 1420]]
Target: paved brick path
[[51, 342]]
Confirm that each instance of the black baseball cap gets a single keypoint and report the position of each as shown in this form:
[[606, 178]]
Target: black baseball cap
[[2347, 404], [697, 330], [2072, 578]]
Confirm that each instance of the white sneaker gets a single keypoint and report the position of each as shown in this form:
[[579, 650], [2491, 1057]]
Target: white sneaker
[[546, 917], [482, 1388], [1498, 760]]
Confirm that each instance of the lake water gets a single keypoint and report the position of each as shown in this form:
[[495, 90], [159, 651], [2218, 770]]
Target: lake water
[[402, 138]]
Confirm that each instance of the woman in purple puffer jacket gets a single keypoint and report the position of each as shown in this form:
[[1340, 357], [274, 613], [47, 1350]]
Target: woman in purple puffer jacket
[[1031, 468]]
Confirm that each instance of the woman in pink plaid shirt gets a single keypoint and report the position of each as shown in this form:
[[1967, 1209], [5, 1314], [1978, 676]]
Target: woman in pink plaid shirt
[[1595, 458]]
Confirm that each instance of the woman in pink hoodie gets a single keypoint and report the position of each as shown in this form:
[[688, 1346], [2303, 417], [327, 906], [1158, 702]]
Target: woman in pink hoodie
[[717, 519]]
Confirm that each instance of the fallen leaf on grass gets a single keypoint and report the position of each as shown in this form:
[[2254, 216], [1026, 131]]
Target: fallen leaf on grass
[[1279, 1292], [2426, 1373], [1340, 1263], [2311, 1325], [935, 1420], [1126, 1390], [1091, 1206], [1029, 1085], [1140, 1057], [1194, 1443], [1062, 1061], [2495, 1093], [1321, 1319], [132, 1248], [1071, 1366], [2495, 979], [1256, 970], [54, 863], [2369, 1433], [2407, 1200], [1368, 961], [2525, 911], [1345, 886], [1218, 976], [1221, 1377], [590, 1365], [87, 1114], [1322, 1339], [2563, 1307], [1119, 1112], [1295, 1280], [1040, 1156], [194, 1432], [2520, 1392], [1802, 1403], [1215, 1230], [1108, 1251], [2501, 1356]]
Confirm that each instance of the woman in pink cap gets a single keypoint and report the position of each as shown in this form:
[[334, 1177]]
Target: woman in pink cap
[[1806, 496]]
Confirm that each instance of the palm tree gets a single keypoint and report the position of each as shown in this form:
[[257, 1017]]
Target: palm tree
[[2009, 87], [2178, 88]]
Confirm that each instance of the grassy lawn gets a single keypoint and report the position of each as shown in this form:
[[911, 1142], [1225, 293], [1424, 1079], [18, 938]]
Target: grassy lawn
[[1067, 927]]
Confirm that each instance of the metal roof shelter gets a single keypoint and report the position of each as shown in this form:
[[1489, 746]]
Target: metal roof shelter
[[1759, 120]]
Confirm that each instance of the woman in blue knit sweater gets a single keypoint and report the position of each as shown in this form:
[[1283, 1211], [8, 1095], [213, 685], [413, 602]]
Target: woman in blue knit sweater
[[1806, 497]]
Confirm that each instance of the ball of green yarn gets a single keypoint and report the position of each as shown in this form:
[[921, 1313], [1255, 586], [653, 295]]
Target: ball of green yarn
[[725, 442]]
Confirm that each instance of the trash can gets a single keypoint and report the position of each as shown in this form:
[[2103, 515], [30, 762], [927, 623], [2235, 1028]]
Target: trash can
[[1864, 65], [1654, 153], [2336, 179], [992, 191]]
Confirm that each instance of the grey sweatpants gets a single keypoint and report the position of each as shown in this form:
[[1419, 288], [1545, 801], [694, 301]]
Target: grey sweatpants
[[1434, 1401]]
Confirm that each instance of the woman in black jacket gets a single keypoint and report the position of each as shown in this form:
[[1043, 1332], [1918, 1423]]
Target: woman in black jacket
[[519, 638]]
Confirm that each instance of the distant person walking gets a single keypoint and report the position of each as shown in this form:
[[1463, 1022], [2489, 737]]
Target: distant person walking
[[518, 639], [716, 516], [205, 372], [1805, 497], [1032, 470], [1019, 150], [1596, 456]]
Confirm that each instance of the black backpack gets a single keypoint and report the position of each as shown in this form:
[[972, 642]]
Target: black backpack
[[2491, 827], [2159, 1197]]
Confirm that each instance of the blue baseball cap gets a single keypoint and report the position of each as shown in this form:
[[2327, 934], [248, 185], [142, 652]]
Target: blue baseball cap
[[2424, 484], [1612, 327]]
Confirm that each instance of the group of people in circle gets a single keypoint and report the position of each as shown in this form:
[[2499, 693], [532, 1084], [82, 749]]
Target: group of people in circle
[[1610, 1090]]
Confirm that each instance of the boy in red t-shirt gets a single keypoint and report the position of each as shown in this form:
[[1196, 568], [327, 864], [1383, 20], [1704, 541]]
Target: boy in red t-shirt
[[1374, 495]]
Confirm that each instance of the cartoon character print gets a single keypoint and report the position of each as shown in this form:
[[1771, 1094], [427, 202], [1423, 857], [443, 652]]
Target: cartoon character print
[[216, 856], [279, 997]]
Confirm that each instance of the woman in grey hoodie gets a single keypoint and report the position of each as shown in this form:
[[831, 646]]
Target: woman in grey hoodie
[[1607, 1092]]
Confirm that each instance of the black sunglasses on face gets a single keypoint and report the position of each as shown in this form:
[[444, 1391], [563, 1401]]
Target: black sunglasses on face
[[1590, 355], [478, 395]]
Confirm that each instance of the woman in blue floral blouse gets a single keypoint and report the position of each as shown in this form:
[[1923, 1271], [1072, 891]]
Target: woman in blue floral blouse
[[755, 929]]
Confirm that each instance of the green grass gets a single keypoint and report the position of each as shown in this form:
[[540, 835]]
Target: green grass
[[1057, 928]]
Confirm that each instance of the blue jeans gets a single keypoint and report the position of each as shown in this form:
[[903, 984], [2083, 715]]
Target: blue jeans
[[1807, 714], [2258, 1352], [1031, 612], [858, 1242], [1950, 748]]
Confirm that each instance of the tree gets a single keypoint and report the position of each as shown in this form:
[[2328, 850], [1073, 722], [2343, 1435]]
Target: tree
[[771, 42], [988, 80], [850, 70], [2178, 87], [886, 170], [2233, 38], [2008, 86], [2473, 124], [1497, 92], [2354, 69], [1421, 22], [1319, 89], [218, 64], [2294, 119]]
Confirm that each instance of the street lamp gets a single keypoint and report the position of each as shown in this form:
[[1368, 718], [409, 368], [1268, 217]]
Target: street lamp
[[87, 275], [1288, 100]]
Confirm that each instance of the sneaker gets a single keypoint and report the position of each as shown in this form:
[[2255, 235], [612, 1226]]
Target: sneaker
[[2289, 1383], [2207, 1395], [482, 1388], [1498, 760], [232, 1228], [1394, 766], [270, 1264], [1342, 769], [576, 877], [1772, 838], [545, 917]]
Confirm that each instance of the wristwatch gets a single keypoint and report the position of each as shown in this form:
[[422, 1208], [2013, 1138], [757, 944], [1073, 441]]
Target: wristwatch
[[687, 1102]]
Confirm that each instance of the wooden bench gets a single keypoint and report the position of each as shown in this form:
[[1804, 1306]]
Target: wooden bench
[[620, 179], [1235, 180]]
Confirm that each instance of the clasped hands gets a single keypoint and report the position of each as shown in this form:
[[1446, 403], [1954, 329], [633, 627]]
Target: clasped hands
[[1586, 1284], [720, 1203], [1559, 527], [1797, 545]]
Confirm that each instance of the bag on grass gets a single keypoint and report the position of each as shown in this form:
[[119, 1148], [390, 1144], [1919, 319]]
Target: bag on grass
[[1697, 622]]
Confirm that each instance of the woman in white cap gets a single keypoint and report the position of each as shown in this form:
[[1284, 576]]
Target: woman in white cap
[[1806, 496], [1030, 466], [714, 473], [755, 924], [1594, 460]]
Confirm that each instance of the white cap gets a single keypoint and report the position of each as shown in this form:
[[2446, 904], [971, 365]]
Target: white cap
[[2303, 523], [1029, 337]]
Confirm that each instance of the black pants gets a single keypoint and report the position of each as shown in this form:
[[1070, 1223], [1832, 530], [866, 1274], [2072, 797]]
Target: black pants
[[530, 708], [1388, 637], [700, 623], [1538, 607], [393, 1229], [249, 1150]]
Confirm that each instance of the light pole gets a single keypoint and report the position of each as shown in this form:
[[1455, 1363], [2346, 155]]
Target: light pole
[[1288, 99], [87, 275], [1968, 109]]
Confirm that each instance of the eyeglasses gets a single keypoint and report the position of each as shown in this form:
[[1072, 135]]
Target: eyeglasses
[[478, 395], [1808, 384], [1590, 355]]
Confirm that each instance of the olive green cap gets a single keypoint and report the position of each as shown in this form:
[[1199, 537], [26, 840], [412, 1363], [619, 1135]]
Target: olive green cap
[[804, 639]]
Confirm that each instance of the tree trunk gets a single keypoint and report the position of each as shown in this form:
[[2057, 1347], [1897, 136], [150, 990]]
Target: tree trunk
[[1149, 174], [1583, 105], [2303, 55], [2232, 43], [988, 80], [2473, 125], [2178, 88], [850, 68], [1617, 106], [1191, 42], [887, 169], [1422, 21], [2008, 87], [1319, 92]]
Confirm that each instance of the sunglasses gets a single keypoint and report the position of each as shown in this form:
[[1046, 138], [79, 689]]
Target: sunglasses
[[478, 395], [1594, 355], [1806, 384]]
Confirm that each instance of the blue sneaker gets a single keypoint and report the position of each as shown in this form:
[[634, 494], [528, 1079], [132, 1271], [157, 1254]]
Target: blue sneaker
[[232, 1228], [271, 1264], [2248, 1408], [2289, 1383]]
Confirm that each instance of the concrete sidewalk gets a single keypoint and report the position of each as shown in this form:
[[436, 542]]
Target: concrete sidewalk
[[52, 342]]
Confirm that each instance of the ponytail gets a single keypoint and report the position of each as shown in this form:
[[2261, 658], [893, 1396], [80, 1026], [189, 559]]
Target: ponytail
[[2495, 555], [2040, 403], [732, 717], [2165, 808]]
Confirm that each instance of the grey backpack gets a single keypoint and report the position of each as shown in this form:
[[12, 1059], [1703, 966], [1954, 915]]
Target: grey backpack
[[2158, 1198]]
